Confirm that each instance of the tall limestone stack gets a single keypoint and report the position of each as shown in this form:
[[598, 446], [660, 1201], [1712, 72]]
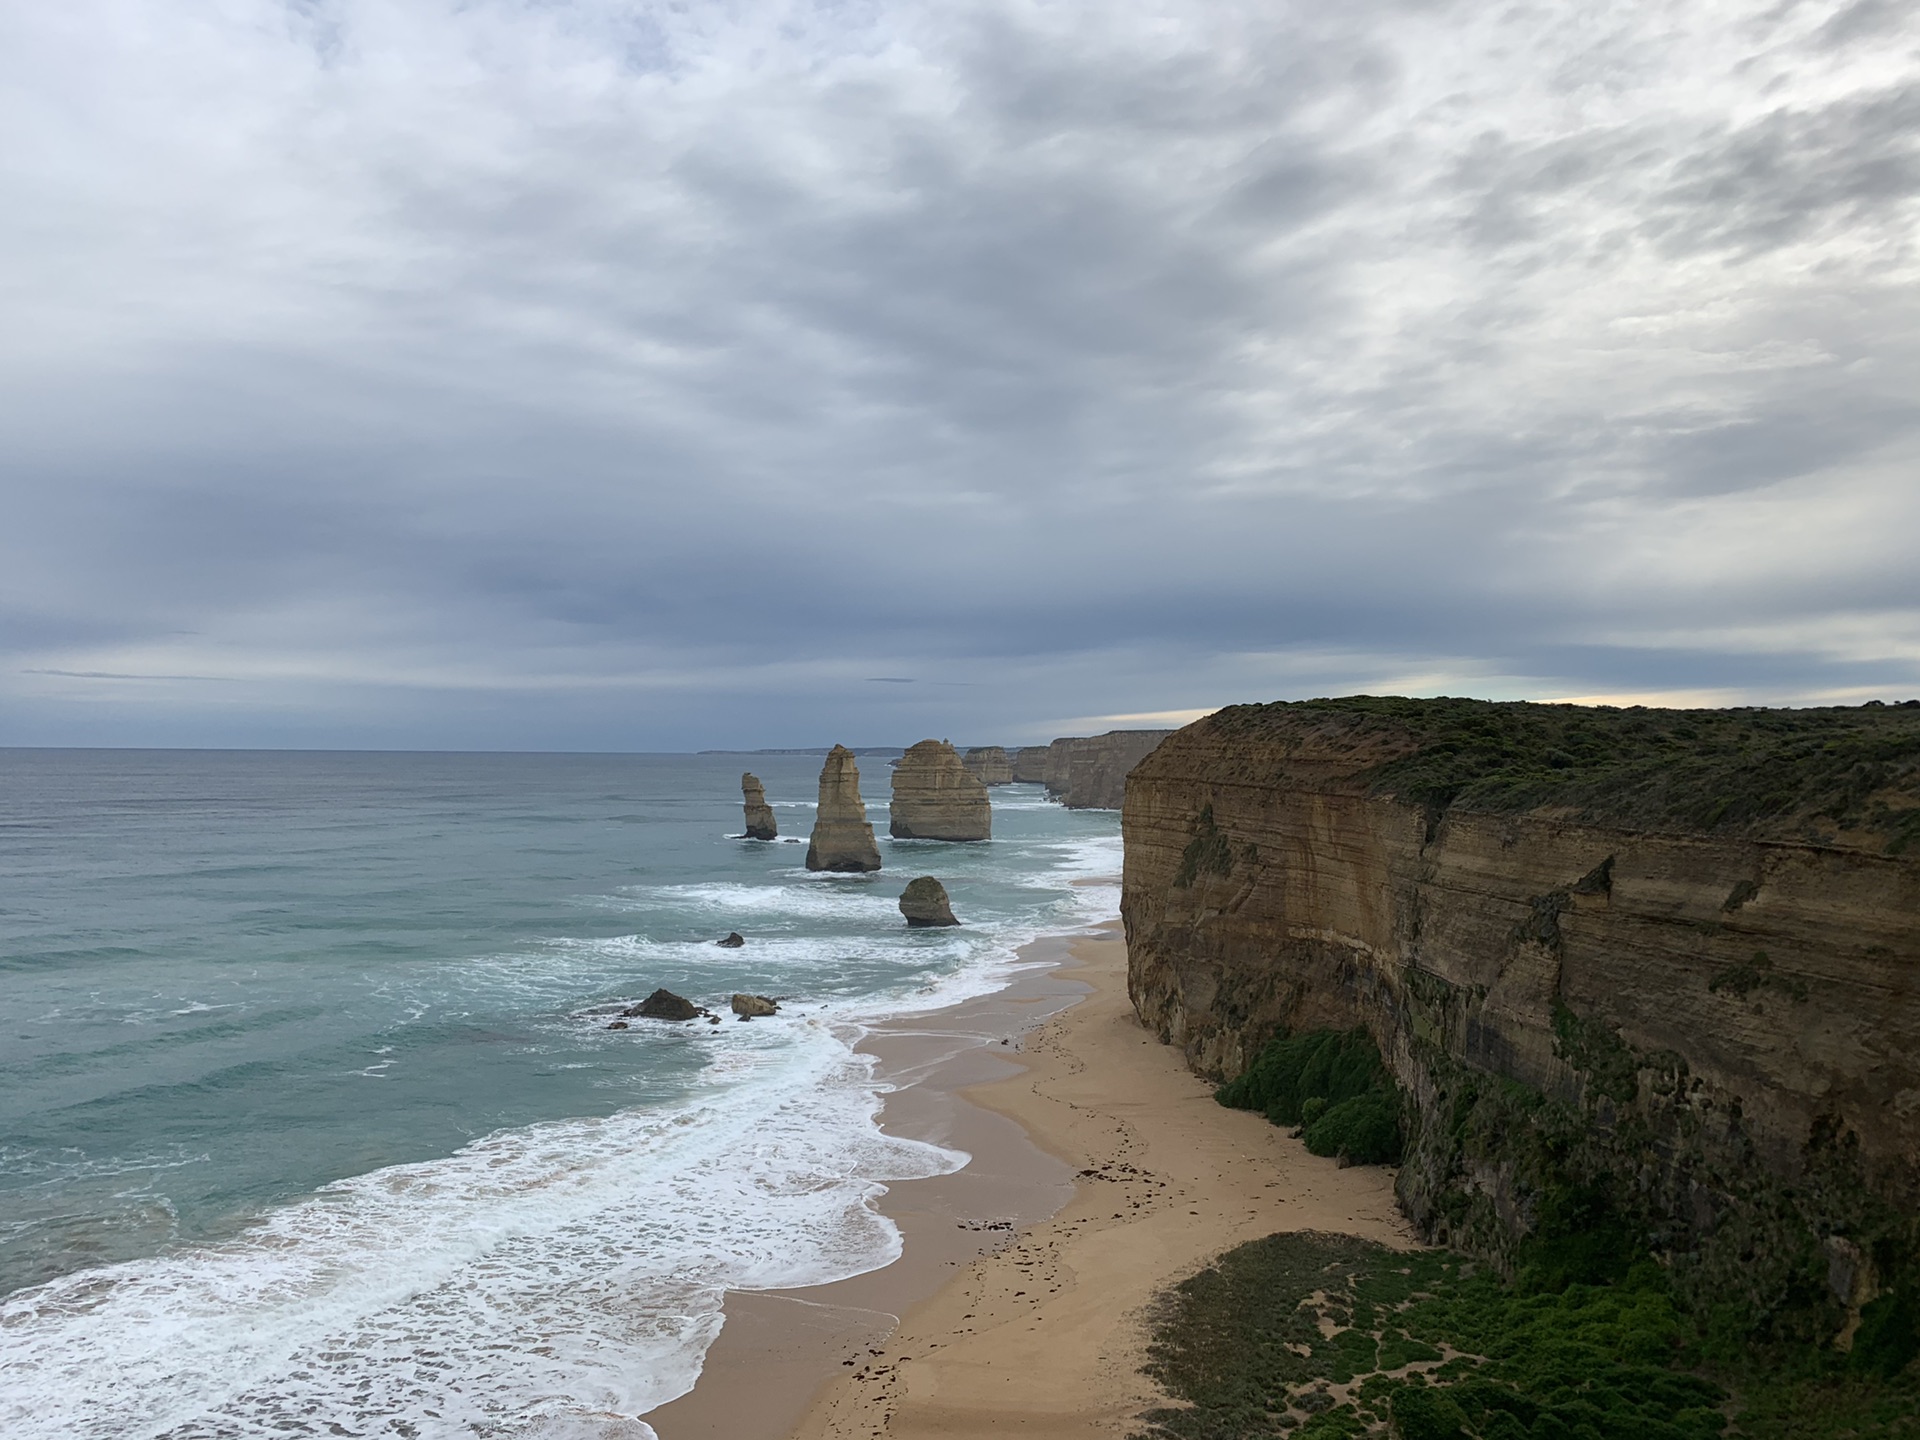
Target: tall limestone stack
[[842, 838], [1030, 764], [935, 796], [760, 825], [990, 764]]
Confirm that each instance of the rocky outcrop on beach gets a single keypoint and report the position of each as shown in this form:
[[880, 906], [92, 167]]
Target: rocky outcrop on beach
[[924, 902], [748, 1007], [1030, 765], [842, 837], [935, 796], [664, 1005], [760, 822], [1661, 962], [989, 764]]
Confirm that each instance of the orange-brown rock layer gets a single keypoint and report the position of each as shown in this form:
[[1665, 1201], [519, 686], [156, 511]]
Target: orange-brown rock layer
[[842, 837], [935, 796], [1724, 1024]]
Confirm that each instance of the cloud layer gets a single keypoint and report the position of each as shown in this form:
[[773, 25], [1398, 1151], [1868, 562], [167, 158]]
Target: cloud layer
[[631, 375]]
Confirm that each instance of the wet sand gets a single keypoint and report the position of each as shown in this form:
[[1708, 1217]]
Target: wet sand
[[1102, 1172]]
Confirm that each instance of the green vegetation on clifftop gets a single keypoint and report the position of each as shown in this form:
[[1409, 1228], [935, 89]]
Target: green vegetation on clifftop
[[1820, 771]]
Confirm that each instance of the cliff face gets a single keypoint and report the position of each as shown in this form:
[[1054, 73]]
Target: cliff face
[[1714, 1021], [1090, 772], [989, 765], [935, 796], [1030, 764], [842, 838], [760, 821]]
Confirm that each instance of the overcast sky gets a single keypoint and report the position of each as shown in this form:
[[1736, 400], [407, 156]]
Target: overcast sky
[[620, 375]]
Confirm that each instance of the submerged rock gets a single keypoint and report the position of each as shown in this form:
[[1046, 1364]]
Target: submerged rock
[[734, 940], [925, 903], [842, 838], [663, 1005], [760, 823], [935, 796], [989, 764], [748, 1006]]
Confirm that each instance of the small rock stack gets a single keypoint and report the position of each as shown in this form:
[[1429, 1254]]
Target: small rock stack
[[760, 824], [925, 903]]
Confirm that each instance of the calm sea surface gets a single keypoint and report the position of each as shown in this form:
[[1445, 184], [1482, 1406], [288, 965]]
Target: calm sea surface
[[311, 1122]]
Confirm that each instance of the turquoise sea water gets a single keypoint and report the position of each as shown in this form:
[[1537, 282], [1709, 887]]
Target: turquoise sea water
[[310, 1121]]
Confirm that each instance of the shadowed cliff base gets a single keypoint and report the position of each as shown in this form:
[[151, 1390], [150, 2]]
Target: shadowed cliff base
[[1649, 973]]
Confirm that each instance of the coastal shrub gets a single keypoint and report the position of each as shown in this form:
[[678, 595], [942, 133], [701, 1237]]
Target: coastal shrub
[[1332, 1083], [1321, 1336], [1848, 767]]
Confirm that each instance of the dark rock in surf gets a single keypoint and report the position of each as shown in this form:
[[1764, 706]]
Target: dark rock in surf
[[925, 904], [663, 1005], [748, 1006], [733, 941]]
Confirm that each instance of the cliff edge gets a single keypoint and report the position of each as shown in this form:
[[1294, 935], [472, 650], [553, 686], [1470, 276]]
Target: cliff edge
[[1659, 966]]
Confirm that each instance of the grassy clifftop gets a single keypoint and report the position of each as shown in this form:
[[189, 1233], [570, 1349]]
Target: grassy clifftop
[[1838, 774]]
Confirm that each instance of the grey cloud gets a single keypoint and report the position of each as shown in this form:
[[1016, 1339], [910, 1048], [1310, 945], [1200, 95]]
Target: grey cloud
[[626, 377]]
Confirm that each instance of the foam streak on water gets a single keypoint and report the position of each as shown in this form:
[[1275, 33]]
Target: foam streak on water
[[315, 1125]]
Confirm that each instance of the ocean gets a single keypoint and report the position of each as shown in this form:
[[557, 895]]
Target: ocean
[[311, 1121]]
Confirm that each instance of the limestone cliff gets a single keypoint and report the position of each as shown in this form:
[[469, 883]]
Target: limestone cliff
[[760, 822], [1030, 764], [842, 838], [935, 796], [1089, 772], [1669, 957], [989, 764]]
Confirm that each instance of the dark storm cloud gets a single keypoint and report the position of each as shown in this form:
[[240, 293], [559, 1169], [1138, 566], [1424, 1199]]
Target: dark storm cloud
[[608, 374]]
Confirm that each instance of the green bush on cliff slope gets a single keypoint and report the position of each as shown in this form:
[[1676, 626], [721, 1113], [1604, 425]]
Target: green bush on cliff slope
[[1323, 1336], [1330, 1082], [1846, 767]]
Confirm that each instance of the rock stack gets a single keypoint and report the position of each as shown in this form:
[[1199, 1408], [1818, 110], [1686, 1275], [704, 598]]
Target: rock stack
[[925, 903], [989, 765], [842, 838], [935, 796], [760, 824]]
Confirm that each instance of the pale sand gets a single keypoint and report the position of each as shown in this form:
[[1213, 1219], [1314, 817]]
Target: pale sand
[[1043, 1337]]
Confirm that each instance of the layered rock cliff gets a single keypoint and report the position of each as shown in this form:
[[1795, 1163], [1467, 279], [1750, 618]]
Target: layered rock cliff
[[989, 764], [1089, 772], [935, 796], [1030, 765], [1668, 961], [842, 838], [760, 821]]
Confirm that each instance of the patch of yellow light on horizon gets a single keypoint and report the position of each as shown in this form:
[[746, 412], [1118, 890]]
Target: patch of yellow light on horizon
[[1146, 717], [1656, 699]]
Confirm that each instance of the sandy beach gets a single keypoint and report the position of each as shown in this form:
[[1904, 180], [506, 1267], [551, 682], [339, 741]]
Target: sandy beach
[[1102, 1172]]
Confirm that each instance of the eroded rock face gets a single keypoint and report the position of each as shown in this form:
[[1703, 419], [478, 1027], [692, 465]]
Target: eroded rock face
[[925, 903], [842, 838], [1721, 1030], [1089, 772], [760, 822], [989, 764], [1030, 764], [747, 1007], [935, 796]]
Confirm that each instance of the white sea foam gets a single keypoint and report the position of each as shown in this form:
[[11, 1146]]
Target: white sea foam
[[561, 1279]]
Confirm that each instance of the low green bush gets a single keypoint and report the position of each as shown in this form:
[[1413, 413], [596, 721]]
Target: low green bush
[[1332, 1083]]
